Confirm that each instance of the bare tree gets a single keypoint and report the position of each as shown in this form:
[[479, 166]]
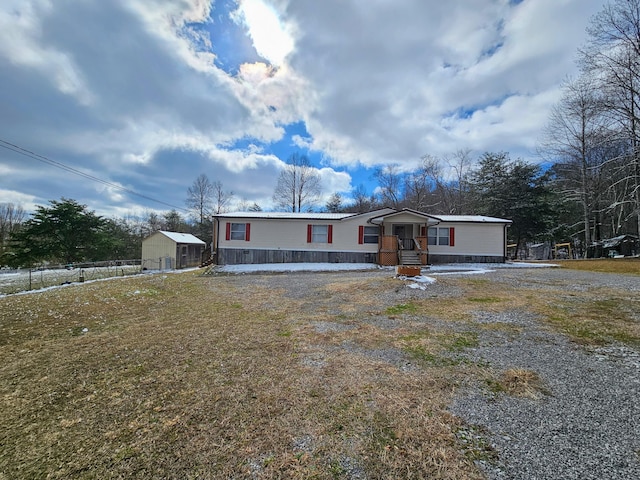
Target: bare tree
[[362, 202], [152, 223], [200, 202], [456, 190], [200, 198], [221, 198], [424, 187], [174, 222], [298, 186], [390, 181], [576, 136], [612, 56], [245, 206], [11, 218]]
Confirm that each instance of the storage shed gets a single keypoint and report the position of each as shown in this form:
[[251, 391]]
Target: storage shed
[[622, 245], [171, 250]]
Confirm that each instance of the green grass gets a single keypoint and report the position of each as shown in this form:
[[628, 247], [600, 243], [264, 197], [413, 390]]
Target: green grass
[[402, 308], [485, 300]]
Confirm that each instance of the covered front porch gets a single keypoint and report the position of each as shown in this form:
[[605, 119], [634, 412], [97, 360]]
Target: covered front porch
[[403, 238]]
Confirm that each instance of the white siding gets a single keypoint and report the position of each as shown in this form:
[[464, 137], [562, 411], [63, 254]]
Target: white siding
[[154, 248], [473, 239], [406, 217], [291, 234]]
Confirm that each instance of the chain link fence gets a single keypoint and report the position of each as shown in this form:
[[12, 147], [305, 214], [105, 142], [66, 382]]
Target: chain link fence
[[43, 276]]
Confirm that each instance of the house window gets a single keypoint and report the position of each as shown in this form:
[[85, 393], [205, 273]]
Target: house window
[[368, 234], [238, 231], [319, 233], [440, 236]]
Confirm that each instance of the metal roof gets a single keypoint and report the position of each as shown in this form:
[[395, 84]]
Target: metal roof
[[470, 219], [182, 237], [340, 216], [287, 215], [617, 241]]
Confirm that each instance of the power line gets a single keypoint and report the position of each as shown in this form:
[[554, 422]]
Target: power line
[[28, 153]]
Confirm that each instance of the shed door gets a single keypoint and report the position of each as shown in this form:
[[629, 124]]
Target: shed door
[[183, 256]]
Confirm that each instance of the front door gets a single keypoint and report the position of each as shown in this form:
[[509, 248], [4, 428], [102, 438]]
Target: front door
[[405, 234]]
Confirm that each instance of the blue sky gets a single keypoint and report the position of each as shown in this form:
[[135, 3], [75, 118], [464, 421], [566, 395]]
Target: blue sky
[[148, 94]]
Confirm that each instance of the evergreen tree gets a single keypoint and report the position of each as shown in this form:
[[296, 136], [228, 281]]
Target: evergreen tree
[[65, 232]]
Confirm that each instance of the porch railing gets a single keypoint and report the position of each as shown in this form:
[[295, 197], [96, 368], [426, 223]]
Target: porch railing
[[392, 245]]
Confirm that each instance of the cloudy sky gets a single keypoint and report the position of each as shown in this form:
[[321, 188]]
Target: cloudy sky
[[145, 95]]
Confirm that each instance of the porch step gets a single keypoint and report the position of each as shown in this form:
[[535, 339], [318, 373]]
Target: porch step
[[409, 257], [208, 262]]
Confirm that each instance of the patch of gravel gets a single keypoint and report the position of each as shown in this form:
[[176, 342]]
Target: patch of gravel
[[588, 427], [392, 356], [325, 327]]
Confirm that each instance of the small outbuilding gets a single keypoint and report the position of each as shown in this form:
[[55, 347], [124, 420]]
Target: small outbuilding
[[171, 250], [622, 245]]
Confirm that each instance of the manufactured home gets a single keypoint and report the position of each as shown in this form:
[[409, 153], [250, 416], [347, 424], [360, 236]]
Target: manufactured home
[[385, 237], [171, 250]]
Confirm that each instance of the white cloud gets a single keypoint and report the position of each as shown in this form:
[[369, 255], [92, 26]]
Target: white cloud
[[385, 77], [334, 182], [271, 38], [27, 202], [20, 43]]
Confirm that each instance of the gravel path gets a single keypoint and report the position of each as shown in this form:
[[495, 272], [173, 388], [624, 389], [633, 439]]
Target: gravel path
[[589, 425]]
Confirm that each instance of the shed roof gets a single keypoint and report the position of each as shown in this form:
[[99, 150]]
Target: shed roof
[[617, 241], [182, 237]]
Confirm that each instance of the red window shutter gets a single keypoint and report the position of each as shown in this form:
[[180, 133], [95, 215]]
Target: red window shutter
[[361, 234], [247, 231], [228, 231], [423, 231], [452, 237], [330, 234], [309, 233]]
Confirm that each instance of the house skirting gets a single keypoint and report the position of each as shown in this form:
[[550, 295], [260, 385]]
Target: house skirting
[[440, 258], [234, 256]]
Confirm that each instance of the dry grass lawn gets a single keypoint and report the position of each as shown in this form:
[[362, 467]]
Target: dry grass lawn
[[615, 265], [196, 377]]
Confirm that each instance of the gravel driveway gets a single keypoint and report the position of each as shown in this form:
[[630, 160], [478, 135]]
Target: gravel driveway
[[589, 426]]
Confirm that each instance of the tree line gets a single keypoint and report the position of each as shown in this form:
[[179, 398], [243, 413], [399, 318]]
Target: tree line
[[594, 131]]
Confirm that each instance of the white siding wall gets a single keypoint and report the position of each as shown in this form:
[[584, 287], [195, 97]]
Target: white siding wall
[[291, 234], [158, 245], [473, 239], [404, 218], [155, 247]]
